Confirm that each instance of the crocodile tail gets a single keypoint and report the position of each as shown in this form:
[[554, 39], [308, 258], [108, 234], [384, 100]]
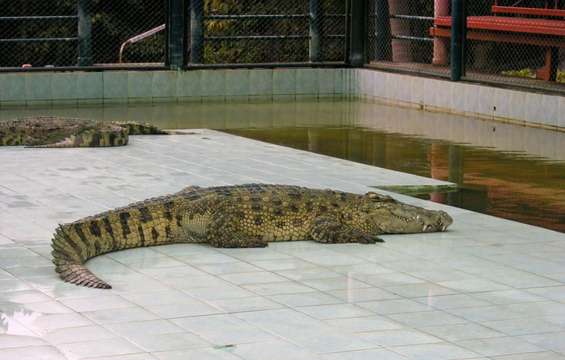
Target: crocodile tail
[[10, 134], [151, 222], [69, 257], [79, 275]]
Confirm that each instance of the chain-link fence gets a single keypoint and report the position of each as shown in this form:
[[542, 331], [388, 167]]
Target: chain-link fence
[[507, 41], [516, 40], [61, 33], [399, 36], [35, 33], [128, 31], [269, 31]]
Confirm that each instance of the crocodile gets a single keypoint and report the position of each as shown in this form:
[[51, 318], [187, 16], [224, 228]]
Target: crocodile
[[61, 132], [238, 216]]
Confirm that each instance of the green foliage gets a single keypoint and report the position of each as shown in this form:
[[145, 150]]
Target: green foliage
[[523, 73], [257, 50], [529, 73], [113, 22]]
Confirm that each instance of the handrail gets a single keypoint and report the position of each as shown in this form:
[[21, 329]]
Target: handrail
[[139, 37], [21, 40], [59, 17]]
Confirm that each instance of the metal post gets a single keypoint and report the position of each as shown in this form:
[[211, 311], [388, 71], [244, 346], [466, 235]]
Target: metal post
[[357, 32], [196, 30], [553, 63], [383, 46], [315, 24], [84, 33], [440, 53], [458, 34], [176, 25]]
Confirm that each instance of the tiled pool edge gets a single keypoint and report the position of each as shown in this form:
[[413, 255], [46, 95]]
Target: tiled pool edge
[[482, 101]]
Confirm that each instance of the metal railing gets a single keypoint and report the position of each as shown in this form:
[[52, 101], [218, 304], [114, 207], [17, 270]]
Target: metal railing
[[7, 22], [182, 33], [491, 41], [138, 38], [416, 36], [77, 33], [267, 32]]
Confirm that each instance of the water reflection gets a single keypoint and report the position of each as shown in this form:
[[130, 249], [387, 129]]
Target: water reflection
[[508, 185], [505, 170], [12, 318]]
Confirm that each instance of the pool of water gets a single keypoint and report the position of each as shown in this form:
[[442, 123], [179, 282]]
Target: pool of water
[[504, 170]]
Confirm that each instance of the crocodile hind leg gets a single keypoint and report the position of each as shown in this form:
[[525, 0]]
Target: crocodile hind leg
[[236, 240], [328, 230], [141, 129], [223, 233]]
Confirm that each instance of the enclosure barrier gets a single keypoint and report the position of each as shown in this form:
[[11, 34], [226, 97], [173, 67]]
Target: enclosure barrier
[[78, 33], [517, 42], [171, 33]]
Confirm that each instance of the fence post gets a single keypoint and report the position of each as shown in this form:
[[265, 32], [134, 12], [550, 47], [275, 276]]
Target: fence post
[[196, 30], [458, 34], [315, 24], [383, 45], [357, 32], [84, 33], [176, 25], [440, 53]]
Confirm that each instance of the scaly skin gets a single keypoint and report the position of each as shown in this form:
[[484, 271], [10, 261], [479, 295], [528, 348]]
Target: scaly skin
[[57, 132], [236, 216]]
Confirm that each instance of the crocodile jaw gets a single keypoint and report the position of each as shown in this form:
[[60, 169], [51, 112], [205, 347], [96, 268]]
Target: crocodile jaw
[[407, 219]]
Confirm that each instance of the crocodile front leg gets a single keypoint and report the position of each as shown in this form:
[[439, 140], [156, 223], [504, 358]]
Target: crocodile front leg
[[224, 232], [329, 230]]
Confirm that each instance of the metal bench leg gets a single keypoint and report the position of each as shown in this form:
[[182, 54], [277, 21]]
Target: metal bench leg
[[549, 70]]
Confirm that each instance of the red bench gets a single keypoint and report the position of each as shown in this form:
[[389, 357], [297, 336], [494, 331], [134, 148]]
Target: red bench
[[548, 32]]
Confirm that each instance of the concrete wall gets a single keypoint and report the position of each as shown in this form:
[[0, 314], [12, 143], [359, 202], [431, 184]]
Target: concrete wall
[[75, 88], [520, 107], [30, 89]]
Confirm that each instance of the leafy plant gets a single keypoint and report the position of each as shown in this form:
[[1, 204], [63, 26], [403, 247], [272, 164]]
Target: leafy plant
[[529, 73]]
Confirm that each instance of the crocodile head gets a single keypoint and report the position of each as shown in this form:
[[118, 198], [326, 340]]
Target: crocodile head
[[381, 214]]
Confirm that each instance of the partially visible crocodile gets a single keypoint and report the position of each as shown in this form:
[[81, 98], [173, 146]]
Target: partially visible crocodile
[[58, 132], [236, 216]]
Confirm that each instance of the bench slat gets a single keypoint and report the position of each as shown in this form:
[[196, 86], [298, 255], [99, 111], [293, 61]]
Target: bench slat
[[497, 9], [512, 38], [509, 24]]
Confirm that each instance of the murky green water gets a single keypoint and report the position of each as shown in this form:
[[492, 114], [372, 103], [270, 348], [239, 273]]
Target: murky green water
[[503, 170]]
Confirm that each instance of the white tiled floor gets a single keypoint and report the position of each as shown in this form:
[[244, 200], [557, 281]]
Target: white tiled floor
[[487, 289]]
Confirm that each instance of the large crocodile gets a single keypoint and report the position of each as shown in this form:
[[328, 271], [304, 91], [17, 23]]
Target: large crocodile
[[59, 132], [248, 215]]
